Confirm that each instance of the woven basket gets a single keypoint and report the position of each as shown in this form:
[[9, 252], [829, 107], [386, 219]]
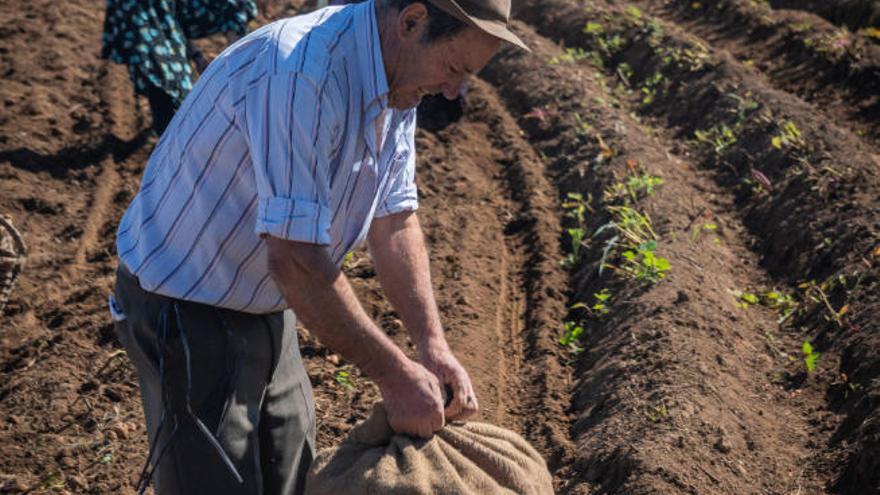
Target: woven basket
[[12, 256]]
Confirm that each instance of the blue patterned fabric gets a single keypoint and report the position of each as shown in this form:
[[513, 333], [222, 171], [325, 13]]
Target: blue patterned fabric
[[149, 36]]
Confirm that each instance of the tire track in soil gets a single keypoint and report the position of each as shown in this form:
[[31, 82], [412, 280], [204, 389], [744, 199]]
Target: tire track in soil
[[99, 208], [504, 306], [122, 123]]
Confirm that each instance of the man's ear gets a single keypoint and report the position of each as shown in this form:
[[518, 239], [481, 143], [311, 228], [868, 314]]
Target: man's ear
[[412, 20]]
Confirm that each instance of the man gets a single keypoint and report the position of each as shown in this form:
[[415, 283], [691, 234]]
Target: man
[[295, 146]]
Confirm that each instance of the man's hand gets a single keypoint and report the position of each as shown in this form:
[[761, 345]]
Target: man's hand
[[398, 250], [412, 400], [438, 359], [323, 300]]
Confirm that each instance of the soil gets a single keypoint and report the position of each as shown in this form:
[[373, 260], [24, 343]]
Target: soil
[[855, 14], [768, 155]]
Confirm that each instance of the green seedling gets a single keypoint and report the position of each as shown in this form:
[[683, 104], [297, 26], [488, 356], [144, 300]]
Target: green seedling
[[719, 138], [583, 129], [53, 481], [650, 87], [634, 226], [344, 378], [576, 208], [594, 28], [633, 12], [634, 233], [745, 106], [576, 235], [657, 413], [571, 56], [753, 185], [746, 299], [600, 307], [789, 136], [625, 72], [643, 184], [851, 387], [784, 304], [816, 293], [800, 27], [656, 32], [810, 356], [703, 227], [572, 336], [643, 264]]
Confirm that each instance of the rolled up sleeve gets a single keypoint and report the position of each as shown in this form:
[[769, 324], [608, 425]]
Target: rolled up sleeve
[[403, 194], [290, 124]]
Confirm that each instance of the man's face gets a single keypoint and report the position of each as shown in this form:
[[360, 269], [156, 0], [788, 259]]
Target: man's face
[[441, 66]]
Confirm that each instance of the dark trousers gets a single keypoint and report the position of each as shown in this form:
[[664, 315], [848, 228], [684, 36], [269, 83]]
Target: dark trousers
[[161, 107], [228, 404]]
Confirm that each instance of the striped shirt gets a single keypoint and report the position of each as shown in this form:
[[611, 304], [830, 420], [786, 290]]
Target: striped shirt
[[287, 133]]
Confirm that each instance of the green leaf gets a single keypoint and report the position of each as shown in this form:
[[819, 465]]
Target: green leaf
[[662, 264], [593, 28], [634, 11], [749, 298], [810, 361], [807, 348]]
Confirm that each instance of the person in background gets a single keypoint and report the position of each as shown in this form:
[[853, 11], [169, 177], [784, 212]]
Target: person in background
[[154, 39]]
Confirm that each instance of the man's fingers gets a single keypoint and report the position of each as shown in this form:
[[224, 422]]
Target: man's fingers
[[471, 406], [462, 394], [454, 408]]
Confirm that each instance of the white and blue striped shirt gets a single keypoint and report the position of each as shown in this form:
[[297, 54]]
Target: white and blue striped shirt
[[288, 134]]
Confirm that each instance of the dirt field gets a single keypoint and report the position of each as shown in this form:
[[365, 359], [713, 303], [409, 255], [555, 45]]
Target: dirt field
[[634, 230]]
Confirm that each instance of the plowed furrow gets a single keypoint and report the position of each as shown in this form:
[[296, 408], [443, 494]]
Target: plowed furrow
[[836, 71], [638, 389]]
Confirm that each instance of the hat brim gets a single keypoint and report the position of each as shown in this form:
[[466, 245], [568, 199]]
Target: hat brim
[[493, 27]]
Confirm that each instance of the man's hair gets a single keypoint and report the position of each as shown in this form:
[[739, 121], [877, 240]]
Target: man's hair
[[440, 24]]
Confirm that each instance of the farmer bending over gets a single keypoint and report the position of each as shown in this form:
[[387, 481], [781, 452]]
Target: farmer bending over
[[295, 146]]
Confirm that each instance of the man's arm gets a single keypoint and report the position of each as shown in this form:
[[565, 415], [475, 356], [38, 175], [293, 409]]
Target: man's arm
[[322, 298], [398, 249]]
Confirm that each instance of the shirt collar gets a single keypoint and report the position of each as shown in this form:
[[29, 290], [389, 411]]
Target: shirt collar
[[370, 62]]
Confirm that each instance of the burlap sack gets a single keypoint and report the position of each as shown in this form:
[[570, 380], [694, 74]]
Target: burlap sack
[[12, 253], [461, 459]]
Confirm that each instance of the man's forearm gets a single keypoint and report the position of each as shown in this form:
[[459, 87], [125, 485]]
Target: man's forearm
[[397, 246], [322, 298]]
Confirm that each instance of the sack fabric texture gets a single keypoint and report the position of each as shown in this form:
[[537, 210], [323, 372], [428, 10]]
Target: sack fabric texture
[[461, 459]]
